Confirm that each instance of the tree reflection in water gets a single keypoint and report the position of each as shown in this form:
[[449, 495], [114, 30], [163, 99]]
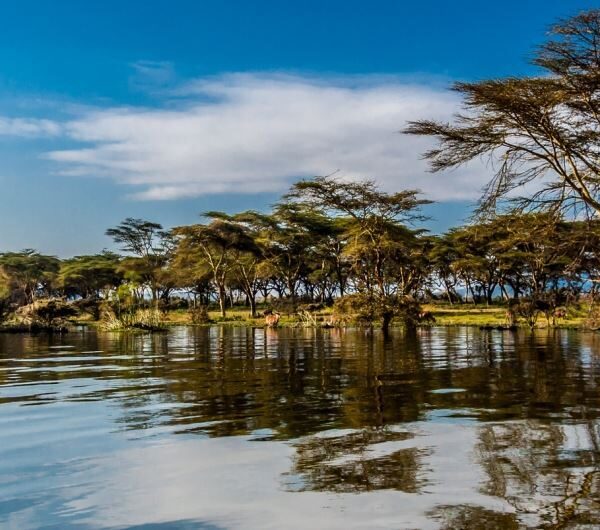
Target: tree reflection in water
[[549, 473], [352, 462], [474, 518], [485, 429]]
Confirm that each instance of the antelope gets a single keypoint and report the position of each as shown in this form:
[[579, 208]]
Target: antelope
[[272, 320], [559, 313], [426, 317]]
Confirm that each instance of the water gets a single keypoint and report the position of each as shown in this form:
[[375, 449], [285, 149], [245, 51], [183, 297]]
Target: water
[[248, 428]]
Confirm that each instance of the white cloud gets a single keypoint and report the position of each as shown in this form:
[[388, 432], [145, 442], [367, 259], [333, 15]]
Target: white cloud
[[28, 127], [252, 133], [236, 483]]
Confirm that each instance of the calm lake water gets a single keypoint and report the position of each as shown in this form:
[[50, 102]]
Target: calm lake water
[[274, 429]]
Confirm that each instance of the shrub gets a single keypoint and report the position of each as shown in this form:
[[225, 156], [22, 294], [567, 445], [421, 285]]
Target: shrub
[[144, 319], [46, 313], [365, 310], [199, 315]]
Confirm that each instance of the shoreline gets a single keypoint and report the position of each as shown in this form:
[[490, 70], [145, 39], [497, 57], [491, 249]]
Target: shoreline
[[444, 315]]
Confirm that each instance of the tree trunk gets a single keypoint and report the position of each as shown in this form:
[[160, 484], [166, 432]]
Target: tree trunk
[[222, 300], [386, 320], [448, 294], [489, 295], [252, 303]]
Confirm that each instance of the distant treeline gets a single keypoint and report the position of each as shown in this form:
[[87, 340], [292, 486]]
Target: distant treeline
[[327, 241]]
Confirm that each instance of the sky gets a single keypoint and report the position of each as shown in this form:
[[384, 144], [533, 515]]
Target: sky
[[165, 109]]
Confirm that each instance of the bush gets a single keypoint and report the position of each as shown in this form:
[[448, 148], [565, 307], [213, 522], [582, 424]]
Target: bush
[[366, 309], [144, 319], [285, 305], [46, 313], [199, 315], [173, 304], [4, 309], [91, 306]]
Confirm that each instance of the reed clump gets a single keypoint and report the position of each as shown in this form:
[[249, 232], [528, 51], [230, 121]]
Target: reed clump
[[148, 319]]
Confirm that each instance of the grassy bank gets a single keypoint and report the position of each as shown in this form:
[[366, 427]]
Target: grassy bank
[[444, 314], [473, 315]]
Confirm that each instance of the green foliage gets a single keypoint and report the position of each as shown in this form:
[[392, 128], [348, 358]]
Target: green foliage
[[29, 273], [90, 276], [365, 309], [328, 242], [385, 256], [152, 249], [216, 250], [541, 130], [531, 254], [138, 237], [5, 293]]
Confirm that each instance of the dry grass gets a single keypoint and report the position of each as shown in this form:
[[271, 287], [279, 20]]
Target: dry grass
[[445, 315], [143, 319]]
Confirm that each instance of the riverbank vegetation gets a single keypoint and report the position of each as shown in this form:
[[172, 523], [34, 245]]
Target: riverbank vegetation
[[336, 252], [331, 253]]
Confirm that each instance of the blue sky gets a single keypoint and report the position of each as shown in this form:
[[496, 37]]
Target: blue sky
[[165, 109]]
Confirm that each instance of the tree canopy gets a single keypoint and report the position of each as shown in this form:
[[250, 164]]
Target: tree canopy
[[542, 131]]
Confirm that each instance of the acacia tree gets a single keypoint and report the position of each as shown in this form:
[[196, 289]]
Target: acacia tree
[[307, 249], [442, 254], [329, 266], [90, 279], [89, 276], [286, 238], [217, 247], [151, 247], [376, 236], [476, 260], [5, 294], [247, 272], [582, 247], [29, 273], [535, 250], [542, 130]]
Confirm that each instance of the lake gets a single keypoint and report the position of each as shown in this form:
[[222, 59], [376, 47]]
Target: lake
[[232, 427]]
